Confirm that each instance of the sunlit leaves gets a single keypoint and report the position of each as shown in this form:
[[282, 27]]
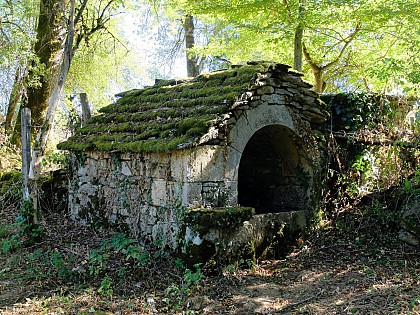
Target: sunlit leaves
[[264, 29]]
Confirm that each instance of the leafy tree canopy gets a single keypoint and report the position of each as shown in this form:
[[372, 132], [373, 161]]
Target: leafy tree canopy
[[356, 44]]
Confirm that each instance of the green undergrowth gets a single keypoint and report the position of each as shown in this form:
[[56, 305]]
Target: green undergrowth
[[355, 111], [10, 157], [379, 214], [10, 189], [77, 271], [113, 266]]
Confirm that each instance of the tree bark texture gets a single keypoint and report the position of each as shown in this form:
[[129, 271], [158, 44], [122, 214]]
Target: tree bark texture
[[49, 50], [192, 66], [85, 109], [26, 149], [298, 40], [52, 102], [298, 55], [14, 100]]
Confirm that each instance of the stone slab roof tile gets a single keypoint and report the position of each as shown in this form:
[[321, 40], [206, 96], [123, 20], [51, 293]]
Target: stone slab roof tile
[[175, 114]]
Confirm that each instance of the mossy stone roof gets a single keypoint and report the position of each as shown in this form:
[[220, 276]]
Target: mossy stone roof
[[169, 115]]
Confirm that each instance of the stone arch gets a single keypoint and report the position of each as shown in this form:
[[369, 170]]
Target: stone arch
[[267, 165], [271, 177]]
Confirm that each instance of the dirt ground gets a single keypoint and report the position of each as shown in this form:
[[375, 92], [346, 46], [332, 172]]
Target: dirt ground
[[355, 265]]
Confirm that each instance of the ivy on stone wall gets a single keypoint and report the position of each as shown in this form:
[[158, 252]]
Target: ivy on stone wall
[[353, 111]]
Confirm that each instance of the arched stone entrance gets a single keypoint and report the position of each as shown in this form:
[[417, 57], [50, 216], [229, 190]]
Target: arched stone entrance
[[273, 175]]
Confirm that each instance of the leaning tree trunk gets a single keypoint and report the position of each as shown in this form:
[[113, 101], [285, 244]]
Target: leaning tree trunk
[[192, 65], [48, 50], [318, 79], [15, 99], [53, 100], [319, 70]]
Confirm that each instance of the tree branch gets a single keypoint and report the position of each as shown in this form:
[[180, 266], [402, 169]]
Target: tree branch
[[97, 24], [315, 68], [347, 43], [80, 12], [14, 24]]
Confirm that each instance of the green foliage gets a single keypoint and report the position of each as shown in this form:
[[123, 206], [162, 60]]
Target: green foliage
[[353, 111], [105, 287], [192, 278], [25, 220], [118, 244], [97, 262], [174, 299], [61, 265], [10, 157], [16, 29], [54, 160], [11, 242], [366, 150], [381, 56], [106, 265], [11, 186], [237, 265], [362, 164], [26, 230], [137, 254], [176, 296]]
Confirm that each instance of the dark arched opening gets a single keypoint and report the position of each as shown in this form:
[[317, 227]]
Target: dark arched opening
[[271, 176]]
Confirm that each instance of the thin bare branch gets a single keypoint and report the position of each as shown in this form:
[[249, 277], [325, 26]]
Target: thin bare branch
[[80, 12], [348, 41], [14, 24], [116, 39]]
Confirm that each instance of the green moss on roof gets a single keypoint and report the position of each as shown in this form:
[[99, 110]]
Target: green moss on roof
[[170, 115]]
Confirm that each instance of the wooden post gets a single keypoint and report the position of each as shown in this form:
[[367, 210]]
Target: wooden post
[[26, 150], [85, 109]]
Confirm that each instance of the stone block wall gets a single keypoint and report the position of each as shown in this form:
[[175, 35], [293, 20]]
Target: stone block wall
[[146, 194]]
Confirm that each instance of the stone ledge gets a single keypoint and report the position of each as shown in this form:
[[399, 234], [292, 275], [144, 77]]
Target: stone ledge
[[219, 218]]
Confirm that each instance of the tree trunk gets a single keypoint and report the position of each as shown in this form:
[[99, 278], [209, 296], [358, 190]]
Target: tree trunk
[[192, 66], [14, 100], [53, 99], [29, 205], [319, 82], [85, 109], [298, 54], [26, 150], [49, 50], [298, 46], [319, 70]]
